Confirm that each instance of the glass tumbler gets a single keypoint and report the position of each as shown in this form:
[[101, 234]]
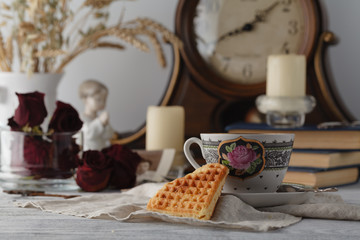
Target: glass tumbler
[[39, 161]]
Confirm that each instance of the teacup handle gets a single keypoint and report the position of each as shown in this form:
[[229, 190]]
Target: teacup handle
[[187, 151]]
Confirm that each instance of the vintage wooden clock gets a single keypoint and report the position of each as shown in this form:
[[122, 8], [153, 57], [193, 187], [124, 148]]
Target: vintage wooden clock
[[226, 44]]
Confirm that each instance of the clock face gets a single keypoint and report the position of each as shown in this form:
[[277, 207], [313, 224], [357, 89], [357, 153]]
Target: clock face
[[235, 37]]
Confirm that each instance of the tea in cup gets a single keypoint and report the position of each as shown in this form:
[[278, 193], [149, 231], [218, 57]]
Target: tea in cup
[[256, 162]]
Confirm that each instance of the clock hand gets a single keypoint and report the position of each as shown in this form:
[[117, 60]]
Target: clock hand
[[247, 27]]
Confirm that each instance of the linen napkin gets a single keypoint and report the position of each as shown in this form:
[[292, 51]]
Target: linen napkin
[[230, 212], [321, 205]]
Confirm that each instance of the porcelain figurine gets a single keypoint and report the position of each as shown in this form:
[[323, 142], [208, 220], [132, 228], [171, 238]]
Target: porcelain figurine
[[96, 129]]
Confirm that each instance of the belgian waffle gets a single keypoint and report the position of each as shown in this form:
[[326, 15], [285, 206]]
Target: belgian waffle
[[194, 195]]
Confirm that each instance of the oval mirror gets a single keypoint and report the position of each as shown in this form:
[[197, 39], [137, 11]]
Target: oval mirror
[[135, 79]]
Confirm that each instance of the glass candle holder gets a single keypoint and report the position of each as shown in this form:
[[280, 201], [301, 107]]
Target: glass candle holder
[[285, 112], [39, 161]]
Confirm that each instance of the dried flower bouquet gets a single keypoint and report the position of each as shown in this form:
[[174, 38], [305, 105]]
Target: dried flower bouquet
[[47, 34]]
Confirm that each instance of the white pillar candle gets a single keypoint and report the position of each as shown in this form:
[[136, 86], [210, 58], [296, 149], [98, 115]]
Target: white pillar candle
[[286, 76], [165, 127]]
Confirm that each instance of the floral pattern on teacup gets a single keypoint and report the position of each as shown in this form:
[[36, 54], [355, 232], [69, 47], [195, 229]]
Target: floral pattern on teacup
[[245, 158]]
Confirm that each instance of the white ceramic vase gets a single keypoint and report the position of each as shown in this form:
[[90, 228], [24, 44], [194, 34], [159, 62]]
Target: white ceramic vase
[[12, 82]]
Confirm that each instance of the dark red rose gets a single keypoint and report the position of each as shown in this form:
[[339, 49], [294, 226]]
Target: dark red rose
[[91, 180], [31, 109], [95, 160], [94, 173], [121, 153], [37, 154], [122, 177], [65, 118], [125, 163]]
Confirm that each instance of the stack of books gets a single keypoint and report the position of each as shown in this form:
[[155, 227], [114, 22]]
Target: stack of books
[[321, 157]]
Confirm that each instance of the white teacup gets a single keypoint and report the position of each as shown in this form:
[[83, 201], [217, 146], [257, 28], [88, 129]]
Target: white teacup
[[257, 162]]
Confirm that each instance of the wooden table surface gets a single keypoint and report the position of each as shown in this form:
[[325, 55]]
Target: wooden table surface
[[29, 223]]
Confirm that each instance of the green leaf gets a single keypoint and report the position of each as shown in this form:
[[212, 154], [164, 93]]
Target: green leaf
[[233, 146], [225, 162], [252, 167], [228, 149]]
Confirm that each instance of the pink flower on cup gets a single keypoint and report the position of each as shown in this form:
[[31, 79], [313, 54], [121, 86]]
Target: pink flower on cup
[[241, 157]]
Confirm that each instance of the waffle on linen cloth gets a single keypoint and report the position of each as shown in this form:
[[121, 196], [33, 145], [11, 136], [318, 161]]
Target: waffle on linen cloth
[[230, 211]]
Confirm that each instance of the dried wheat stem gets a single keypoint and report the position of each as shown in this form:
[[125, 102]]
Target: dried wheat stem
[[5, 6], [3, 60], [26, 27], [157, 46], [80, 50], [157, 27], [80, 23], [5, 16], [9, 50], [19, 40], [70, 57], [36, 38], [34, 5], [109, 45], [124, 34], [98, 4], [49, 53], [36, 62]]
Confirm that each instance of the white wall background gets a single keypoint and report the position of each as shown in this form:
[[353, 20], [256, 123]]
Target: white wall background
[[344, 58], [136, 80]]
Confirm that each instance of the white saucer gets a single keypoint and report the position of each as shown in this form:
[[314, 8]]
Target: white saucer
[[273, 199]]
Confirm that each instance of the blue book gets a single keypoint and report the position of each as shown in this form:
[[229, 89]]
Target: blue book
[[322, 177], [308, 137], [324, 158]]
